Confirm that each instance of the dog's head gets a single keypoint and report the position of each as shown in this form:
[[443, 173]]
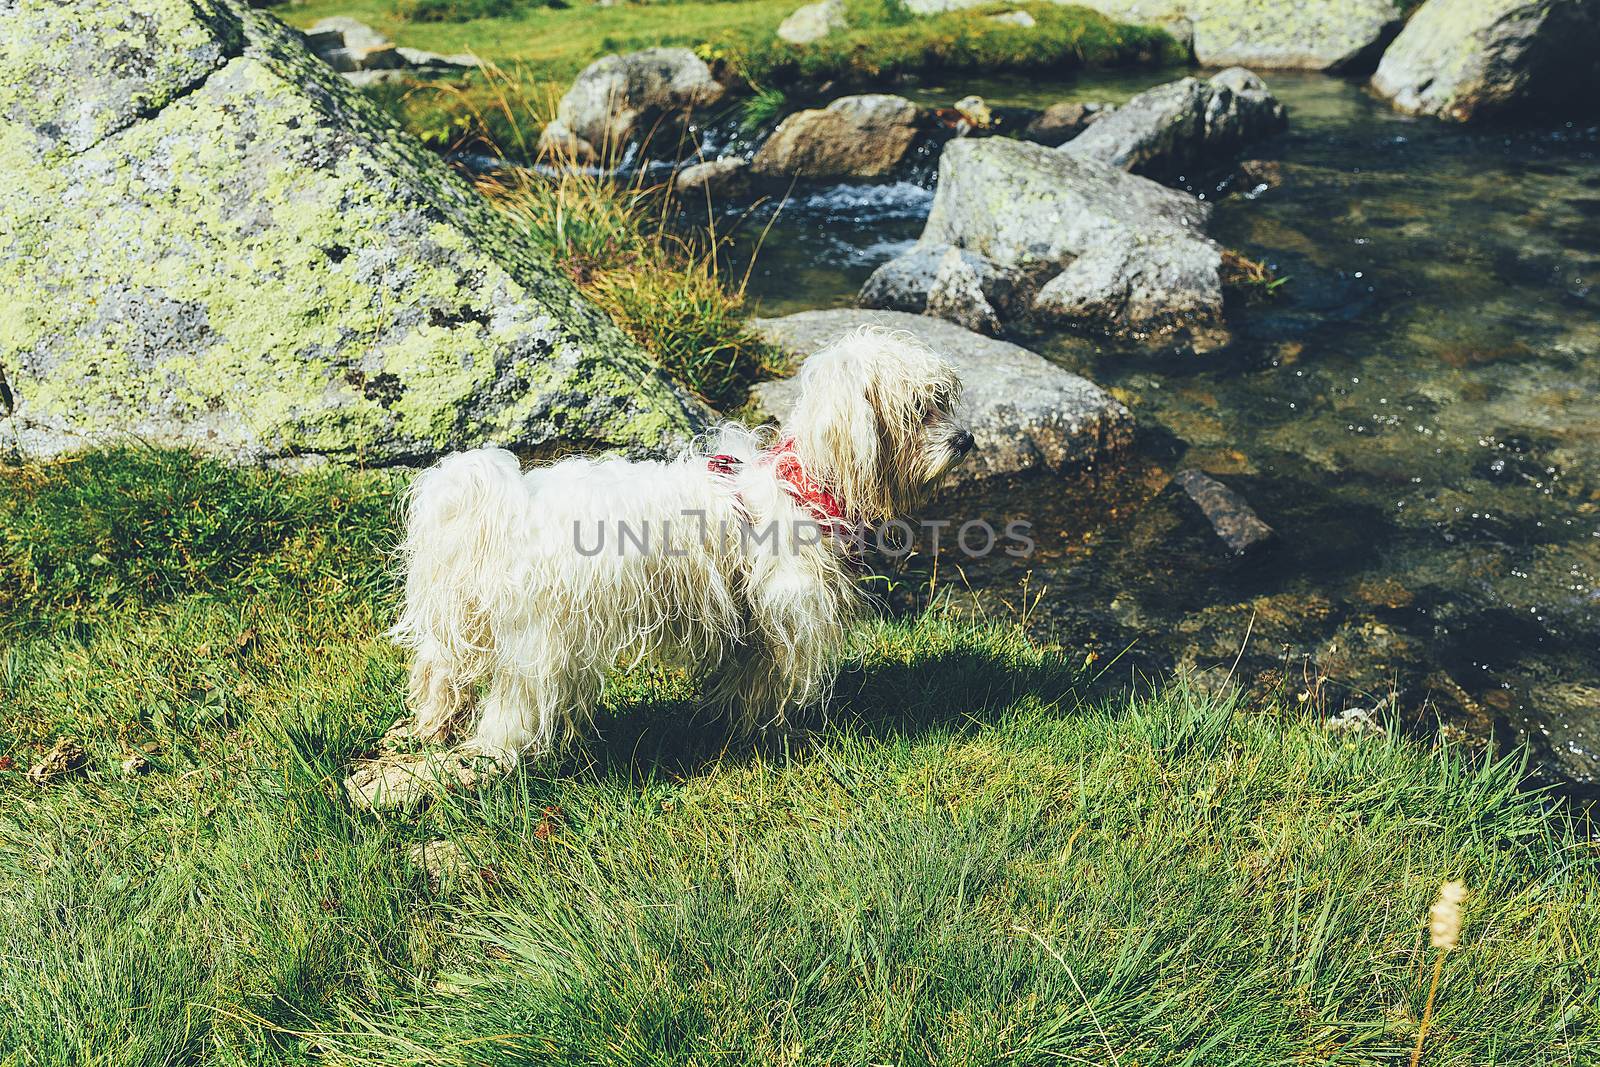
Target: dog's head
[[876, 422]]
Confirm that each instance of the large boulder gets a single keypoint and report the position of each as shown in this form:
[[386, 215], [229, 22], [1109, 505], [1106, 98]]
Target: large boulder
[[620, 99], [1183, 126], [1466, 59], [208, 238], [1332, 35], [1116, 252], [813, 22], [853, 137], [1026, 413]]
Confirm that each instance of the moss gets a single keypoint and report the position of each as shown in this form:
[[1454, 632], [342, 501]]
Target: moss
[[266, 266]]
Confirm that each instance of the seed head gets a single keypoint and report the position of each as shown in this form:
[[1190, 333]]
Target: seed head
[[1444, 918]]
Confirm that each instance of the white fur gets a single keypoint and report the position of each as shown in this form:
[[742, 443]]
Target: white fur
[[500, 599]]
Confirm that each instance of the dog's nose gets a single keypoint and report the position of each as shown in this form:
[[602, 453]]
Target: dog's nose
[[964, 442]]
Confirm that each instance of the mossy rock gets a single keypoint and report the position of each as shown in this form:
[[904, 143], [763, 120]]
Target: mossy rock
[[208, 238]]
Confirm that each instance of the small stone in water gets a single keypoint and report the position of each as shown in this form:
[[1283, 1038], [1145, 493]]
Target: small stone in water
[[1234, 521]]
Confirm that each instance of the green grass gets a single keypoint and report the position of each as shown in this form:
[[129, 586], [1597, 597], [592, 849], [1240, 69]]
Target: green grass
[[970, 863], [537, 50]]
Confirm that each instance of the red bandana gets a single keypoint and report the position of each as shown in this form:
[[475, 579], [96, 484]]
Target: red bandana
[[823, 505]]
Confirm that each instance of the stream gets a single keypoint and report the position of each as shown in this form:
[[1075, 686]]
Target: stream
[[1416, 411]]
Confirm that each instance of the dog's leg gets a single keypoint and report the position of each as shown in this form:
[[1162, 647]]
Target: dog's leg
[[750, 688], [538, 698], [440, 691]]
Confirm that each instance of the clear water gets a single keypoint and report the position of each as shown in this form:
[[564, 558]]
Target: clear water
[[1417, 413]]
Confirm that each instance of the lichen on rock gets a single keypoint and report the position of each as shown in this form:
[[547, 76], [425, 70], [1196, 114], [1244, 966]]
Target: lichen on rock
[[252, 259]]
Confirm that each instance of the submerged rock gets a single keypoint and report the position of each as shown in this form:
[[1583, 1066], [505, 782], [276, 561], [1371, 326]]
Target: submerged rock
[[212, 240], [1026, 413], [1033, 213], [853, 137], [813, 22], [1465, 59], [1229, 514], [621, 99], [1184, 125], [1060, 123]]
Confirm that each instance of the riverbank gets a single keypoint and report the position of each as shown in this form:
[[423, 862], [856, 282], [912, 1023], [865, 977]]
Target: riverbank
[[535, 51], [972, 861]]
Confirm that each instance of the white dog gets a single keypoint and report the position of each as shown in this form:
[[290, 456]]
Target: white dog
[[733, 561]]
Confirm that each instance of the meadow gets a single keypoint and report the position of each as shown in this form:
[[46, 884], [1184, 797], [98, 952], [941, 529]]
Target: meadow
[[973, 859]]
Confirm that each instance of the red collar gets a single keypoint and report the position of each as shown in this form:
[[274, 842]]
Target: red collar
[[823, 505]]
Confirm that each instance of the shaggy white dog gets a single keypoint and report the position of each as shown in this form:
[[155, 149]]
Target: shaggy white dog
[[734, 561]]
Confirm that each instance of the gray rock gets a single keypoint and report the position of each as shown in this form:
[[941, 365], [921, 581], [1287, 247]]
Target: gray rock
[[853, 137], [714, 178], [560, 144], [1033, 211], [1060, 123], [356, 49], [348, 32], [1141, 285], [621, 99], [1183, 126], [1466, 59], [431, 61], [1234, 521], [813, 22], [1015, 18], [903, 283], [957, 296], [258, 263], [1026, 413], [1332, 35]]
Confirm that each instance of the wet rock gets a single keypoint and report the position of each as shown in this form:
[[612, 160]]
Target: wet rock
[[1567, 737], [1332, 35], [1228, 513], [957, 296], [853, 137], [1141, 284], [64, 757], [257, 263], [1183, 126], [1026, 413], [621, 99], [1034, 212], [716, 178], [813, 22], [903, 283], [1467, 59], [1060, 123]]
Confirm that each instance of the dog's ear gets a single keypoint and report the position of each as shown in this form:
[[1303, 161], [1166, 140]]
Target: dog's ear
[[838, 431]]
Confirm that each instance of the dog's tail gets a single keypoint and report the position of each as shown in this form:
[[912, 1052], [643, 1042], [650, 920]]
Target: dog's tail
[[462, 517]]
